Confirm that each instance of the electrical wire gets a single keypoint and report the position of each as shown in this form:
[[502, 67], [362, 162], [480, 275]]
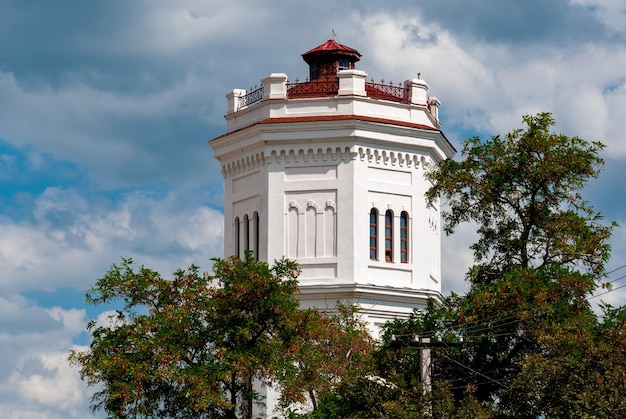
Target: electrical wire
[[476, 372], [616, 279], [616, 269], [606, 292]]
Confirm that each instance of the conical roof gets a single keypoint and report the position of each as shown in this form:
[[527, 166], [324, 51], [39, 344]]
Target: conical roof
[[331, 48]]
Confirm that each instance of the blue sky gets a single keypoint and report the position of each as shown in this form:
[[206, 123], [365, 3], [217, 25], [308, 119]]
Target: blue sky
[[106, 107]]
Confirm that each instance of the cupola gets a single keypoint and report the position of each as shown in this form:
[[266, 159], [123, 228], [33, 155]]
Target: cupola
[[327, 59]]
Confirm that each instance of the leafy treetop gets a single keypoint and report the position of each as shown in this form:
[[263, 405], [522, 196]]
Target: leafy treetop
[[192, 346], [523, 191]]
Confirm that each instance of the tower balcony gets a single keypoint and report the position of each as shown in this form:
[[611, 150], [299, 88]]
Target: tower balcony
[[347, 93]]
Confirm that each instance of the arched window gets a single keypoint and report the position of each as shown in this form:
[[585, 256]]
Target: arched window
[[404, 237], [237, 241], [373, 234], [389, 236]]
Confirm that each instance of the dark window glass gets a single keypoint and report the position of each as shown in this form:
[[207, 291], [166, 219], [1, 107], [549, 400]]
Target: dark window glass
[[314, 70], [237, 238], [404, 238], [389, 236], [373, 234], [256, 236], [246, 232]]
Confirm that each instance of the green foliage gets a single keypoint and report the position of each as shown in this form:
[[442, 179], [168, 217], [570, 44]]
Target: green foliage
[[527, 345], [576, 374], [331, 348], [500, 324], [377, 397], [191, 346], [524, 341], [523, 191]]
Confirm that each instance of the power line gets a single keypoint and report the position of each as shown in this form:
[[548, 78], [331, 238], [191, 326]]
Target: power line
[[611, 290], [616, 269], [475, 372], [616, 279]]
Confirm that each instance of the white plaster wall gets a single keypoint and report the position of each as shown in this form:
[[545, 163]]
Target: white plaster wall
[[349, 168], [335, 105]]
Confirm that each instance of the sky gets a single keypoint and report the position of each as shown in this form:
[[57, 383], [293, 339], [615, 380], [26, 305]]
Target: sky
[[106, 108]]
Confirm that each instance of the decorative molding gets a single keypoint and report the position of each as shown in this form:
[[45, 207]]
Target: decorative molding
[[302, 155], [243, 164], [337, 154], [248, 210], [287, 155], [315, 206], [392, 158], [294, 204]]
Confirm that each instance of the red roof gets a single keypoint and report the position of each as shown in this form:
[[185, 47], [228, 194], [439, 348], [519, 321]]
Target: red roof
[[329, 47], [332, 45]]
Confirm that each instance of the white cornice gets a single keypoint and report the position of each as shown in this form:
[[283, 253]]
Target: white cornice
[[350, 130], [366, 292]]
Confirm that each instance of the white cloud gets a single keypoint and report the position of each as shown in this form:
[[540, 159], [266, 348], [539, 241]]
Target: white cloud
[[116, 135], [56, 386], [36, 380], [72, 242], [186, 24], [403, 46], [611, 13], [616, 295], [487, 87]]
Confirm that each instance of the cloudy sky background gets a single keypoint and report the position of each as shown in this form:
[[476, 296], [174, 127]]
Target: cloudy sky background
[[106, 108]]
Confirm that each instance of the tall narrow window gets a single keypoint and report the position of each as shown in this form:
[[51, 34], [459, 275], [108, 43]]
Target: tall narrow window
[[256, 235], [389, 236], [246, 232], [404, 237], [373, 234], [237, 241], [314, 70]]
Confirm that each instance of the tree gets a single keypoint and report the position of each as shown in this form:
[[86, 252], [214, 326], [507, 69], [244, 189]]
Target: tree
[[331, 348], [191, 346], [540, 252], [577, 373], [523, 191]]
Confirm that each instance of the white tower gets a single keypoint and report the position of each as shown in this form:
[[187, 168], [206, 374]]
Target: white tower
[[330, 172]]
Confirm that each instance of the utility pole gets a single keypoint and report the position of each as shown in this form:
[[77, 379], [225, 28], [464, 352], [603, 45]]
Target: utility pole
[[424, 344], [425, 363]]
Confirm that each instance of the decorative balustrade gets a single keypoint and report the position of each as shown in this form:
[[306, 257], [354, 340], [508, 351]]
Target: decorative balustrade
[[330, 87], [313, 88], [387, 91], [251, 97]]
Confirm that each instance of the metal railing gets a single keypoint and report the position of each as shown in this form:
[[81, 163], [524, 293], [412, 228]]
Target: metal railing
[[313, 88], [251, 97], [388, 91], [329, 87]]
